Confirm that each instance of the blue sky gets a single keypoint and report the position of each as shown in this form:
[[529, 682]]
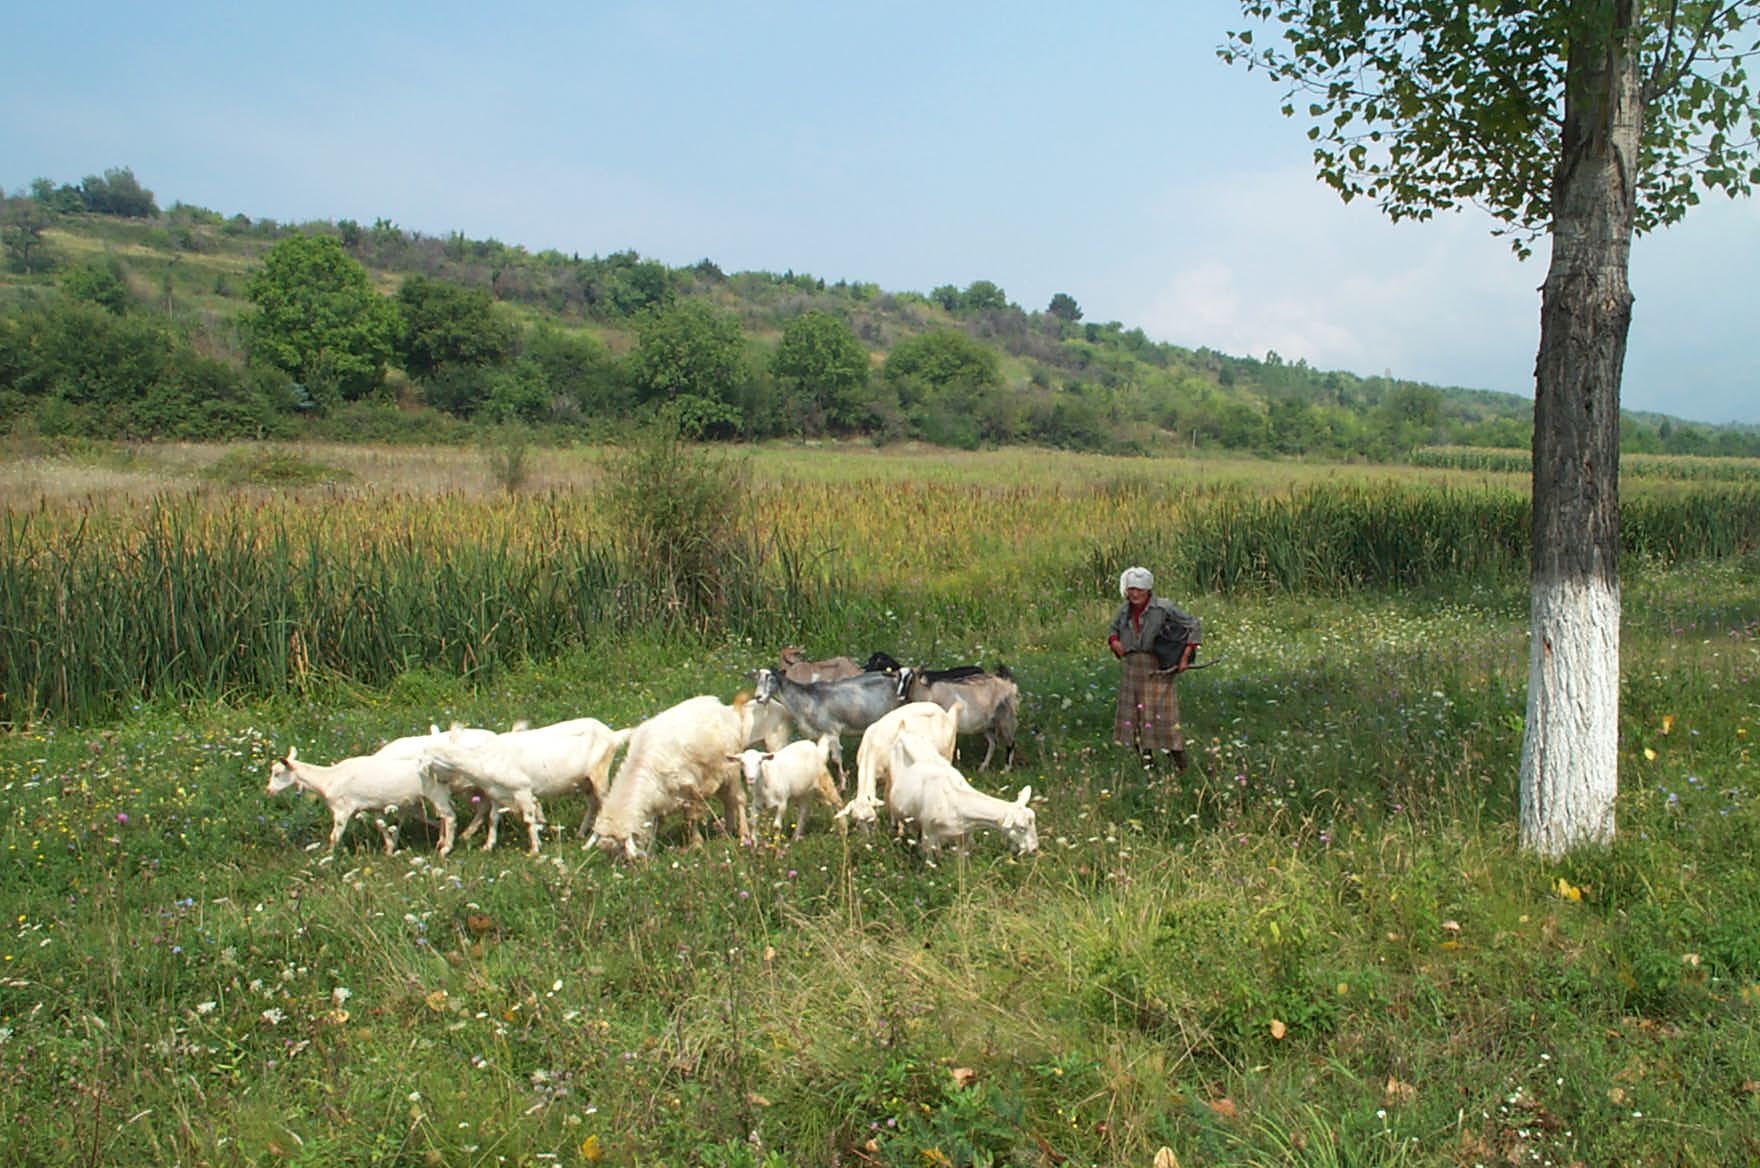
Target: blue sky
[[1098, 150]]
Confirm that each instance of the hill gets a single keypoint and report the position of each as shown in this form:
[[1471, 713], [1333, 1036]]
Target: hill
[[118, 320]]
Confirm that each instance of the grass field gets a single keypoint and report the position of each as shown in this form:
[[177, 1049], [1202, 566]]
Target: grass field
[[1321, 947]]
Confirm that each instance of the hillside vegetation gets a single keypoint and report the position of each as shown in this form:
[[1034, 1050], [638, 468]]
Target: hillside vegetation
[[119, 320]]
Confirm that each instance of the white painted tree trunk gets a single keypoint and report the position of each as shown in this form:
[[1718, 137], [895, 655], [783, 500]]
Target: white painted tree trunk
[[1570, 752]]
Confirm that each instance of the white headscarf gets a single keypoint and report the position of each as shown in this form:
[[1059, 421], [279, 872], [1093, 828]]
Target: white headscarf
[[1136, 578]]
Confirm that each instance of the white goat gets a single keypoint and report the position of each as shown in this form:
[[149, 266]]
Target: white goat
[[929, 791], [413, 745], [793, 774], [515, 769], [368, 782], [874, 755], [990, 704], [678, 760]]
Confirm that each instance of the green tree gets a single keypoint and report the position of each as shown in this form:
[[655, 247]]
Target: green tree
[[100, 284], [118, 192], [623, 284], [948, 297], [582, 373], [317, 317], [689, 353], [56, 200], [823, 370], [1064, 307], [947, 386], [922, 367], [1584, 121], [984, 296], [518, 393], [22, 224], [445, 324]]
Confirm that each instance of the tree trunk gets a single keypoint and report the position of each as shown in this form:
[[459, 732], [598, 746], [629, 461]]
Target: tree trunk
[[1570, 751]]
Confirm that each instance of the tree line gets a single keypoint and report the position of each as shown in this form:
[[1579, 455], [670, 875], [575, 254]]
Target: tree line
[[370, 330]]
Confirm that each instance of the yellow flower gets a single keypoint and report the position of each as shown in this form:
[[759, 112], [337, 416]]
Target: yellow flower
[[1649, 755], [1667, 723]]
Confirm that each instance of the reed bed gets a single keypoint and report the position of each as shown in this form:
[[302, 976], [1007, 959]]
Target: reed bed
[[1682, 467], [207, 593]]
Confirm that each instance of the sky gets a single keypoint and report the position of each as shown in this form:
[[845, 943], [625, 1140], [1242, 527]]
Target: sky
[[1099, 150]]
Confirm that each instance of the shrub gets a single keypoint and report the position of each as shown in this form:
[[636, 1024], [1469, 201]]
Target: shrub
[[681, 512]]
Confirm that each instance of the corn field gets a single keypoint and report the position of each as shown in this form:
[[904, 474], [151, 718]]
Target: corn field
[[203, 596]]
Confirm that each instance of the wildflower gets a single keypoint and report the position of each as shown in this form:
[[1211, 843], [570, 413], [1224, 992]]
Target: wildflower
[[274, 1016]]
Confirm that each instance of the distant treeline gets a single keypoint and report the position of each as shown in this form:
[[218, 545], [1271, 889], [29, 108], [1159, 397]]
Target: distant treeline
[[118, 320]]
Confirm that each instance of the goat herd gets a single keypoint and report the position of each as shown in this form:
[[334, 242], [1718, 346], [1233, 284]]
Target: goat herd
[[703, 749]]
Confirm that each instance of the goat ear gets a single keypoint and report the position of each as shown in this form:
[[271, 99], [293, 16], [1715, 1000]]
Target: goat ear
[[1024, 797], [292, 753]]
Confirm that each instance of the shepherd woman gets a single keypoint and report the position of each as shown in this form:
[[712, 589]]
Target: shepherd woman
[[1156, 642]]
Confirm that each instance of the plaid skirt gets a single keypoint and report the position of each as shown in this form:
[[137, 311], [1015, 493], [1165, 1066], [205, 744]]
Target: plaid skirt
[[1148, 707]]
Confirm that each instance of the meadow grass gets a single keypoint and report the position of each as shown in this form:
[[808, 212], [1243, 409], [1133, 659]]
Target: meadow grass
[[1321, 946]]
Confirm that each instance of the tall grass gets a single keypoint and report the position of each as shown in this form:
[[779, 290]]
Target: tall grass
[[198, 596], [1686, 467]]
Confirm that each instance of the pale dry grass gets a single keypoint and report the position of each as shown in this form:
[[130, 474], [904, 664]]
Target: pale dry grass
[[132, 472]]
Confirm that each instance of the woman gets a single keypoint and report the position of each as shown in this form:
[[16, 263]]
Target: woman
[[1156, 642]]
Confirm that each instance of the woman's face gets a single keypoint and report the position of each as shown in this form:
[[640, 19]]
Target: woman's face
[[1136, 595]]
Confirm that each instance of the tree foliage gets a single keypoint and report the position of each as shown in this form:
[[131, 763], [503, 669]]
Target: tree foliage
[[445, 324], [117, 192], [318, 318], [22, 224], [920, 367], [1064, 307], [690, 354], [1424, 105], [822, 370]]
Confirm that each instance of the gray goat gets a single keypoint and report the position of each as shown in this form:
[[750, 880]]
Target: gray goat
[[848, 705], [987, 704]]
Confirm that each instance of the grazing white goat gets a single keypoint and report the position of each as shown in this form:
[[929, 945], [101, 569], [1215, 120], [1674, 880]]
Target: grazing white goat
[[516, 769], [795, 666], [794, 774], [929, 791], [413, 745], [677, 761], [874, 756], [990, 704], [369, 782]]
